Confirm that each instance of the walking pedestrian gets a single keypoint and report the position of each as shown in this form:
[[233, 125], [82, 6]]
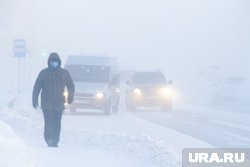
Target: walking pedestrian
[[51, 82]]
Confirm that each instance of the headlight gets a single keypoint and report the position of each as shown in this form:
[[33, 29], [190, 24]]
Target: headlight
[[166, 92], [99, 95], [66, 94], [137, 91]]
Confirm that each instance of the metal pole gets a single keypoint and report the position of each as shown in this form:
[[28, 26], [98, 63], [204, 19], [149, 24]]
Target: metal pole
[[19, 75]]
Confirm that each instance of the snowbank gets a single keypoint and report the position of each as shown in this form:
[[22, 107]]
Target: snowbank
[[13, 151], [131, 150]]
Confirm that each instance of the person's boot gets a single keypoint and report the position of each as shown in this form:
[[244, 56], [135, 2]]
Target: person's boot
[[53, 144], [50, 143]]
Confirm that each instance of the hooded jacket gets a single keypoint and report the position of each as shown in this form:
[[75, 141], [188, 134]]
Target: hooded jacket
[[51, 82]]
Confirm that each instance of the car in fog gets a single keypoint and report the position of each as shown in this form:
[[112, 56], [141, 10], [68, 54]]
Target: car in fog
[[96, 81], [148, 88]]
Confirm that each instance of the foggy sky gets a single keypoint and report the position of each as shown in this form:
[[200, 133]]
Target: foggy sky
[[175, 36]]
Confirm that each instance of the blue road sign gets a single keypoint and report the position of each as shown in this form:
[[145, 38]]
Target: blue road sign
[[19, 47]]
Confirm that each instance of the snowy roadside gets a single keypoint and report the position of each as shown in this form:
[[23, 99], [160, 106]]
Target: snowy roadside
[[141, 150], [131, 142], [13, 151]]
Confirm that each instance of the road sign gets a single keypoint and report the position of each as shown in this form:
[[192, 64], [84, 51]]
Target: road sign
[[19, 47]]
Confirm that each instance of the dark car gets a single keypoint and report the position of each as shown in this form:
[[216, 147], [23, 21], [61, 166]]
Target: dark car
[[148, 88]]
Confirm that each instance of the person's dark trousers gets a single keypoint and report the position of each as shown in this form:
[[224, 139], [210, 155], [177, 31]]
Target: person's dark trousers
[[52, 126]]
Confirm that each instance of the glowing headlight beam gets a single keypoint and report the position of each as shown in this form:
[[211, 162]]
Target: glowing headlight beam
[[137, 91], [66, 94], [166, 92], [99, 95]]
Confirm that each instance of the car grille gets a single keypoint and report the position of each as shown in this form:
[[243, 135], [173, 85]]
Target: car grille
[[150, 91], [84, 95]]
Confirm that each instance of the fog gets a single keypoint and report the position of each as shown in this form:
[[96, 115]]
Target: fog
[[178, 37], [203, 46]]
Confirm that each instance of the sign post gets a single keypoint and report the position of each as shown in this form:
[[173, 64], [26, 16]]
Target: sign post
[[19, 52]]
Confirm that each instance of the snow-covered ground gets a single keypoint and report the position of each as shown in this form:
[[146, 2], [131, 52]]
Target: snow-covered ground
[[88, 138], [13, 151]]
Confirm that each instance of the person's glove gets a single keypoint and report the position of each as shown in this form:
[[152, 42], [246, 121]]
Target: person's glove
[[70, 100], [35, 104]]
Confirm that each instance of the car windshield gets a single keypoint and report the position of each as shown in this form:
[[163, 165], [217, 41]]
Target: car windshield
[[149, 78], [87, 73]]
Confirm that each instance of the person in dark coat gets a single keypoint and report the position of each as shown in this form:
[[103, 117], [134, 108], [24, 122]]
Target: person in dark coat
[[52, 82]]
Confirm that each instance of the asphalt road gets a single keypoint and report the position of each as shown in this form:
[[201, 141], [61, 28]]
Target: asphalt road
[[224, 129]]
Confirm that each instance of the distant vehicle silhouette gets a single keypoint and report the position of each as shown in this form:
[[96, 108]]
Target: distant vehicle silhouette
[[148, 88]]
